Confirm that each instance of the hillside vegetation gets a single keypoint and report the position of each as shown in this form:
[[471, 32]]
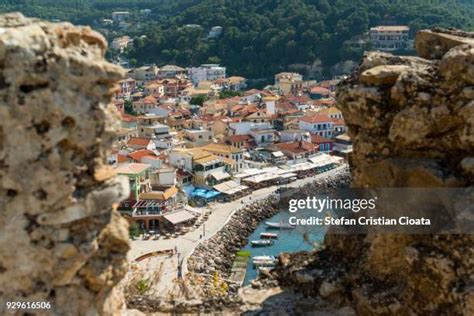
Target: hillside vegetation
[[260, 37]]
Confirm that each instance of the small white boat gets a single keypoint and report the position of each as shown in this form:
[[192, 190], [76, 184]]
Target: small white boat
[[263, 258], [264, 261], [280, 225], [268, 235], [261, 243]]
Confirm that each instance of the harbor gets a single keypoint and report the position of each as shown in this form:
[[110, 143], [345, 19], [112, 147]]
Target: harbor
[[284, 239]]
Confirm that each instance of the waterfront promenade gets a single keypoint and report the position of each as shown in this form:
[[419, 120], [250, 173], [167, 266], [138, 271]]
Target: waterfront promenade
[[185, 244]]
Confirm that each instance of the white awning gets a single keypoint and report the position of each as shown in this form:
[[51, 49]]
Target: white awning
[[277, 154], [262, 177], [220, 175], [337, 159], [191, 209], [288, 175], [249, 172], [229, 187], [321, 160], [178, 217], [301, 167]]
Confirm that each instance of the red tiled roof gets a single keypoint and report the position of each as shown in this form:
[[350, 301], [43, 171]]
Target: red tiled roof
[[137, 141], [238, 138], [297, 147], [339, 122], [128, 118], [299, 99], [139, 154], [122, 158], [316, 119], [183, 173], [320, 90], [150, 100], [236, 108], [316, 139], [325, 102], [252, 91]]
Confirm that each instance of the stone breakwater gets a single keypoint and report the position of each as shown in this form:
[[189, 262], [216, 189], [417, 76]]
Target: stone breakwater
[[218, 253]]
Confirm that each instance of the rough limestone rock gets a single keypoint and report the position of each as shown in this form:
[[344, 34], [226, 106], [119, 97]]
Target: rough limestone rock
[[411, 120], [412, 124], [61, 240]]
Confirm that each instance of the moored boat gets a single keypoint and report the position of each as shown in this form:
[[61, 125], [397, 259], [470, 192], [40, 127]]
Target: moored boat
[[261, 243], [279, 225], [264, 261], [268, 235]]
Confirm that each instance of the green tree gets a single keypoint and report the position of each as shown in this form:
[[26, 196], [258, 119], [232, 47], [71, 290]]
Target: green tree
[[198, 100]]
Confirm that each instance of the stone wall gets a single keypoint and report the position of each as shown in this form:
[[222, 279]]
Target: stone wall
[[61, 240], [412, 123]]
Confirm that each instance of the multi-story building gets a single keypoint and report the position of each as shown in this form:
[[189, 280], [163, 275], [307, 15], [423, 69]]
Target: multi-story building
[[207, 169], [297, 150], [206, 72], [127, 86], [390, 37], [139, 177], [227, 152], [120, 43], [170, 71], [322, 125], [120, 15], [289, 82], [150, 126], [198, 137], [143, 74], [343, 145], [235, 83]]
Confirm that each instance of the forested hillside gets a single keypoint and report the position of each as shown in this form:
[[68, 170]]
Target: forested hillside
[[260, 37]]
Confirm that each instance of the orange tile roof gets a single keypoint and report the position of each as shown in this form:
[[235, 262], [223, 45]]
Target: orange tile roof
[[129, 118], [297, 147], [320, 90], [132, 168], [316, 139], [239, 138], [122, 158], [150, 100], [316, 119], [137, 141], [339, 122], [139, 154]]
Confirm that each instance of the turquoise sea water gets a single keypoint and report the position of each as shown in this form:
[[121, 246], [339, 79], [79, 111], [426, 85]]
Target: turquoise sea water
[[292, 240]]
